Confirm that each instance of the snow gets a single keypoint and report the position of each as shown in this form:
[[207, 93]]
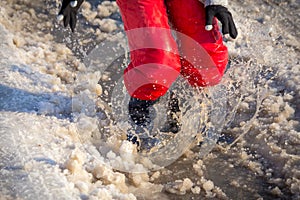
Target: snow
[[50, 111], [208, 186]]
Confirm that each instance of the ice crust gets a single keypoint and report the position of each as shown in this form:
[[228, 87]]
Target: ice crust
[[46, 117]]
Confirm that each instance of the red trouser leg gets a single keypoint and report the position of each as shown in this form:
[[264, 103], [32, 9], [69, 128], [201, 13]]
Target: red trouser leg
[[203, 65], [155, 62]]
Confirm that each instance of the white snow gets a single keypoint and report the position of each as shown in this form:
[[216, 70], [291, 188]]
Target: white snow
[[50, 112]]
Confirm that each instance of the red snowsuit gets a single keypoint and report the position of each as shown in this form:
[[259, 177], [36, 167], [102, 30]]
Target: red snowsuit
[[157, 59]]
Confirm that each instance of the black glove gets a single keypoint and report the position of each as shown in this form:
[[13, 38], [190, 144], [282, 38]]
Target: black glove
[[68, 12], [224, 16]]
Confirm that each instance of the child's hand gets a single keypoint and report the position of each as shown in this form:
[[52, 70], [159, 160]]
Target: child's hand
[[224, 16], [68, 12]]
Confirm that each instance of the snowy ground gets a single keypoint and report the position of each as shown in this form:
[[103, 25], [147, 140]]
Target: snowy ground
[[45, 90]]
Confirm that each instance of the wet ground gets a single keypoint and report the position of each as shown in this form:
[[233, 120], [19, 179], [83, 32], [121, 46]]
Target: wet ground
[[260, 155]]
